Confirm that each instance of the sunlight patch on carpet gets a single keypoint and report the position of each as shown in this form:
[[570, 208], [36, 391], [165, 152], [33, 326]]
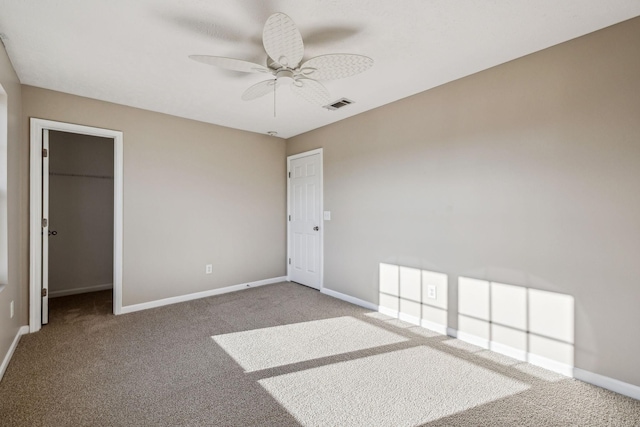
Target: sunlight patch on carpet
[[400, 388], [299, 342]]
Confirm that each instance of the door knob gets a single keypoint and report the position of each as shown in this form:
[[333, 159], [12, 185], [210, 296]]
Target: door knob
[[316, 228]]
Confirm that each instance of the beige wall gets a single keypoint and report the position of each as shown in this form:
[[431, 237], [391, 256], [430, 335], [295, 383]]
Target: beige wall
[[526, 174], [80, 212], [194, 194], [15, 287]]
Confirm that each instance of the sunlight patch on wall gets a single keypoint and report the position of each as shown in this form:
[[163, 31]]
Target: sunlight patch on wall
[[284, 345], [526, 324], [402, 388], [414, 295]]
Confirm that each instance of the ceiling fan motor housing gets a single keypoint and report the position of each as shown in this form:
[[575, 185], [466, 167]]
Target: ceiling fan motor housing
[[285, 50], [285, 76]]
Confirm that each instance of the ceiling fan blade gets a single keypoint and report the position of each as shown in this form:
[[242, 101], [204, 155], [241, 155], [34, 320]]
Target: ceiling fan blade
[[260, 89], [231, 63], [335, 66], [328, 34], [312, 91], [282, 40]]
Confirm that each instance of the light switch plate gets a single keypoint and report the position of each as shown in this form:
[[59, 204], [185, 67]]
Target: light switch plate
[[327, 215]]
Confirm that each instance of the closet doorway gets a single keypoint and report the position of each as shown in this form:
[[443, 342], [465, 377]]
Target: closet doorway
[[80, 247], [76, 216]]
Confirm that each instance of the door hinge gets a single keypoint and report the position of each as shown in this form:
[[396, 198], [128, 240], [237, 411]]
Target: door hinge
[[44, 292], [44, 222], [289, 174], [289, 217], [289, 261], [45, 152]]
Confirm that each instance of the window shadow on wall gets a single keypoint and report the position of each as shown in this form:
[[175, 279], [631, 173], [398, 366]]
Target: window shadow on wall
[[414, 295], [526, 324]]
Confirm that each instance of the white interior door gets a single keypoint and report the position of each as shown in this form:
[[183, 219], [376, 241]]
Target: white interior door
[[304, 225], [45, 226]]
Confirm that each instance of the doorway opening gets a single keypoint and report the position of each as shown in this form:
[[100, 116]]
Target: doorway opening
[[76, 216], [80, 218]]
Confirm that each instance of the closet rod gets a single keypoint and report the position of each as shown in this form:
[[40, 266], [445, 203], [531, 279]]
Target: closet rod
[[81, 175]]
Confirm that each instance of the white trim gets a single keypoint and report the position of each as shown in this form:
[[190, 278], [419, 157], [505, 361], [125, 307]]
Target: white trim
[[349, 299], [518, 354], [409, 318], [550, 364], [389, 312], [84, 290], [607, 382], [612, 384], [35, 176], [515, 353], [7, 358], [198, 295], [289, 159], [45, 230], [472, 339], [435, 327], [432, 326]]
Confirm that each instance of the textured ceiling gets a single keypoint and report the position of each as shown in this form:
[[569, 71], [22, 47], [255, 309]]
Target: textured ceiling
[[136, 52]]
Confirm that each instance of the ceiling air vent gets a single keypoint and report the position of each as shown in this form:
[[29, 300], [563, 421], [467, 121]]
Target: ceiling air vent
[[342, 102]]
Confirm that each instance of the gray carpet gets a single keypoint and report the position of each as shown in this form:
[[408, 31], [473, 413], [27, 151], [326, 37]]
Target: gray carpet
[[278, 355]]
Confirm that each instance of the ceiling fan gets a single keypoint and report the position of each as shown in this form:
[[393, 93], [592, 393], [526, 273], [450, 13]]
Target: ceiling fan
[[283, 43]]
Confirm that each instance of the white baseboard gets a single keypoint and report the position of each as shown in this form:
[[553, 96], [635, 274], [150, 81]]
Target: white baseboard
[[7, 358], [607, 382], [515, 353], [432, 326], [388, 312], [198, 295], [550, 364], [435, 327], [87, 289], [612, 384], [350, 299], [409, 318], [471, 339]]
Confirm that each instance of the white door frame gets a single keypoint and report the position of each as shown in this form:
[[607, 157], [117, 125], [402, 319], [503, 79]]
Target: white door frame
[[320, 214], [35, 217]]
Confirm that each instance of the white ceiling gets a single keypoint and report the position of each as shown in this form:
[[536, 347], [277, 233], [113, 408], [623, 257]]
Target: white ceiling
[[135, 52]]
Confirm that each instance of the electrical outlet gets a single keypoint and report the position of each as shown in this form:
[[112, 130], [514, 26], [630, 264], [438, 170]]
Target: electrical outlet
[[208, 269], [432, 292], [11, 309]]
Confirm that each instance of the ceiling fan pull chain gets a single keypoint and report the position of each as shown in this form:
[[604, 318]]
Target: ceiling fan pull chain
[[274, 97]]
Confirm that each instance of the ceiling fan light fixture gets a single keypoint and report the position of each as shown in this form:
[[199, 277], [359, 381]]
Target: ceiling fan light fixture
[[285, 76], [282, 40]]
